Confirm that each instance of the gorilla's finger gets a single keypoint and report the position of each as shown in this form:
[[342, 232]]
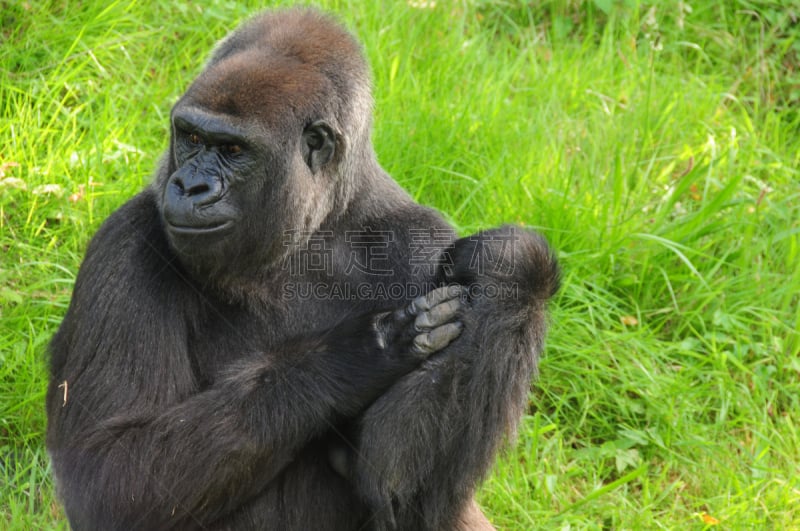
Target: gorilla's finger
[[437, 339], [438, 315], [436, 296], [423, 303]]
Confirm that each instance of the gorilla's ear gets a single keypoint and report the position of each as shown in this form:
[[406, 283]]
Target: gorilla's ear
[[319, 145]]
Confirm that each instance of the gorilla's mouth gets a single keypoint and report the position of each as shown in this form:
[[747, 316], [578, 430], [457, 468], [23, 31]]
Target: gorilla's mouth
[[195, 230]]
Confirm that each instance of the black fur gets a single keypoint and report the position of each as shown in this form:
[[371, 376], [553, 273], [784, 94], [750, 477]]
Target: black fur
[[193, 386]]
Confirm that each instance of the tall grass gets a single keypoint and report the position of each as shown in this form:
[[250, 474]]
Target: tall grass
[[655, 144]]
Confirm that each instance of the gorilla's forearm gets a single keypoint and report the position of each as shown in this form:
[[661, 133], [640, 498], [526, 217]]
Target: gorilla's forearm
[[201, 458], [429, 440]]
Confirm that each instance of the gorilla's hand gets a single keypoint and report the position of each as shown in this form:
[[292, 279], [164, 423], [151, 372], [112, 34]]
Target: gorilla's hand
[[425, 326]]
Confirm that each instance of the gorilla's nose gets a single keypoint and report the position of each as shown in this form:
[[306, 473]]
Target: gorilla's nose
[[200, 188]]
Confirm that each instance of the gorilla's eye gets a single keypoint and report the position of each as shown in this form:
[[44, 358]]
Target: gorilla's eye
[[195, 139], [233, 149]]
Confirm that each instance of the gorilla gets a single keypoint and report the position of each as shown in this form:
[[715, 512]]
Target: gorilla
[[273, 334]]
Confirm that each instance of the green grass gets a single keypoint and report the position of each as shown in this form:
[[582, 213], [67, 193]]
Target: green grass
[[656, 147]]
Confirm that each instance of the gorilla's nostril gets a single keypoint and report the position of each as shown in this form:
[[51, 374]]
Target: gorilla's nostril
[[198, 189]]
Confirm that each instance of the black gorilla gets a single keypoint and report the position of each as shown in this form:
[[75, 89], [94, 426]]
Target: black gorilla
[[274, 335]]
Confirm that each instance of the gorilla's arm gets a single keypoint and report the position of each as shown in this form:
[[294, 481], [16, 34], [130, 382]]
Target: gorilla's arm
[[136, 446], [431, 438]]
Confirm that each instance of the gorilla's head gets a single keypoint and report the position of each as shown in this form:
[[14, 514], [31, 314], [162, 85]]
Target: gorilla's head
[[266, 143]]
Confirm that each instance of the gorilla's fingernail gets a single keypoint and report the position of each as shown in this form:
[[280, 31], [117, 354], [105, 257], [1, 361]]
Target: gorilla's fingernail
[[423, 321], [453, 290]]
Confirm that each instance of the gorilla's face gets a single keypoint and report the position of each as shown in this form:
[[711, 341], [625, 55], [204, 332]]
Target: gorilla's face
[[200, 200], [242, 186]]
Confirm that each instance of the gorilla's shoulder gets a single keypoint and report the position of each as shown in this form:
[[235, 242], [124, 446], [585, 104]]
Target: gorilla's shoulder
[[136, 222], [402, 217], [130, 242]]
